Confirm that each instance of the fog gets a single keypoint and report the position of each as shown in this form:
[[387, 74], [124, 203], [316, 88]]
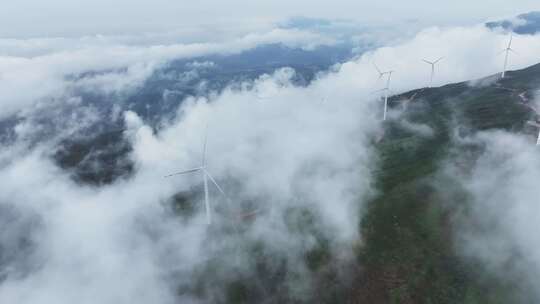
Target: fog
[[298, 154]]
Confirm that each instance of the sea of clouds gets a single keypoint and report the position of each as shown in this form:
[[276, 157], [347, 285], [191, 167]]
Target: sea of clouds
[[298, 148]]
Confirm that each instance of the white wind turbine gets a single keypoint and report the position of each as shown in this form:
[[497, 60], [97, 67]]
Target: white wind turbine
[[205, 175], [432, 63], [535, 124], [385, 89], [507, 54]]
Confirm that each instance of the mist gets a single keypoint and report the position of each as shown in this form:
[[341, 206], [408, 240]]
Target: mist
[[496, 216], [299, 160]]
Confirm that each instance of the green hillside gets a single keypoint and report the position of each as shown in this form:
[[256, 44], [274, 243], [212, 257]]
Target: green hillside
[[409, 255]]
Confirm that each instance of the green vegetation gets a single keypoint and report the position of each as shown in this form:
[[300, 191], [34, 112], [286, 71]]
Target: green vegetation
[[409, 255], [98, 159]]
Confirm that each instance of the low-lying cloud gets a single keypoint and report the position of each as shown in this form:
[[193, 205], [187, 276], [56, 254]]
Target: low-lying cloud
[[497, 222], [304, 153], [53, 72]]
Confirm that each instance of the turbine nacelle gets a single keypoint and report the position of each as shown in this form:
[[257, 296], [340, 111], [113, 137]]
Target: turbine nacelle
[[381, 73], [432, 63]]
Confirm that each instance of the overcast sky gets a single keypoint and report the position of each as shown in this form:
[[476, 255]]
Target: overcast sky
[[38, 18]]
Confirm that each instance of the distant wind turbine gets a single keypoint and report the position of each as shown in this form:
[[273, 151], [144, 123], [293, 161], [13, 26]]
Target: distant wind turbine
[[386, 89], [432, 63], [381, 74], [205, 175], [535, 124], [386, 92], [507, 54]]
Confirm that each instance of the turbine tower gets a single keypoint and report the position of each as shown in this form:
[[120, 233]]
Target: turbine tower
[[206, 176], [507, 54], [432, 63], [535, 124], [386, 89], [386, 92]]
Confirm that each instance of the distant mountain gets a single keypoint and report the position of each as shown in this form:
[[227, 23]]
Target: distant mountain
[[199, 76], [157, 98], [167, 87], [528, 23], [91, 155]]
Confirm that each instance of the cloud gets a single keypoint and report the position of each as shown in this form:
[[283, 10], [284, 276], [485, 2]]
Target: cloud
[[121, 243], [201, 65], [26, 80], [290, 156], [420, 129], [89, 240], [496, 223]]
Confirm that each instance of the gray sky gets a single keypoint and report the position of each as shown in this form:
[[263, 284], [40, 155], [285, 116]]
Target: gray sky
[[37, 18]]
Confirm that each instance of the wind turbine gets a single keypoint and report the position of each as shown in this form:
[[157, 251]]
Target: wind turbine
[[386, 89], [432, 63], [381, 74], [386, 92], [507, 54], [206, 176], [535, 124]]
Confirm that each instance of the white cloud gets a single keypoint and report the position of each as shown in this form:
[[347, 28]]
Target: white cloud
[[469, 53], [289, 149], [25, 80], [91, 246], [499, 223]]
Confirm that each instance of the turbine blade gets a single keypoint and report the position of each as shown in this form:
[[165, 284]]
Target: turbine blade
[[184, 172], [214, 182], [437, 61], [512, 50], [377, 68], [428, 62], [207, 200], [204, 146], [510, 42]]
